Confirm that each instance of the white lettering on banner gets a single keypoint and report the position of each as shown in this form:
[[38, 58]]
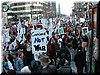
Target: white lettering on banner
[[39, 41]]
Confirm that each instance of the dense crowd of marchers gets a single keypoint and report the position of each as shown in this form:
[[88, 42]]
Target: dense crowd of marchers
[[62, 49]]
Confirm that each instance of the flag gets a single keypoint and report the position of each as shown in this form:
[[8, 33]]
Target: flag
[[18, 37], [19, 26], [23, 37], [26, 23], [14, 43]]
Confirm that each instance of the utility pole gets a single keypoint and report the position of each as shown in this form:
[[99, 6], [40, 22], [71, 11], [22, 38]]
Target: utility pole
[[31, 8]]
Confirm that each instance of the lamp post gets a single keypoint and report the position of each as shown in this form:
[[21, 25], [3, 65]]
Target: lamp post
[[31, 7]]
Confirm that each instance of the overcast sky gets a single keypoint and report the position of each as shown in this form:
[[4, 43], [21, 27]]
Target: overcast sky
[[65, 6]]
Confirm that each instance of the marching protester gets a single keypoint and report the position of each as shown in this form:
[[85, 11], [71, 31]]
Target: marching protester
[[64, 67], [80, 60], [45, 63], [35, 67], [23, 57], [10, 57], [52, 48], [47, 46], [6, 64], [18, 62]]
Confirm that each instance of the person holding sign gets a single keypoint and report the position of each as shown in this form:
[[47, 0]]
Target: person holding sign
[[52, 47]]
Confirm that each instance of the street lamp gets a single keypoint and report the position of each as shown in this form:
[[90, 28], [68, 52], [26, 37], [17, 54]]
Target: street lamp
[[31, 7]]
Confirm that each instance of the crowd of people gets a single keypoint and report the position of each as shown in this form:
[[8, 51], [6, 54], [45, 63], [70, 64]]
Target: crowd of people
[[61, 51]]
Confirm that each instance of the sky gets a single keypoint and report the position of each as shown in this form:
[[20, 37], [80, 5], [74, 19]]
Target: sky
[[65, 6]]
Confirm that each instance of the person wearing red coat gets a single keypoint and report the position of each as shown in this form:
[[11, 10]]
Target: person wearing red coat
[[52, 48]]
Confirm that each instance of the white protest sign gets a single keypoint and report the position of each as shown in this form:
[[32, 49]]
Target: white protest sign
[[19, 26], [82, 20], [18, 37], [44, 23], [50, 29], [34, 22], [39, 41], [61, 30], [14, 43], [84, 30], [6, 31], [26, 23], [5, 34]]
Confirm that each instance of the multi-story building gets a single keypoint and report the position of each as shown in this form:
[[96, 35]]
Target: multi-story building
[[83, 9], [31, 10], [78, 9], [25, 10], [59, 12], [50, 9]]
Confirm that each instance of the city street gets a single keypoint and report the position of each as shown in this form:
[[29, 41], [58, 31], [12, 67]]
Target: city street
[[50, 37]]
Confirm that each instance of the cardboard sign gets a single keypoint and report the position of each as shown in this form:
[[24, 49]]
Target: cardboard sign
[[61, 30], [84, 30], [39, 41], [44, 23]]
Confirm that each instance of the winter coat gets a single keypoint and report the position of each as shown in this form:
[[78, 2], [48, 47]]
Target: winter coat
[[65, 70], [65, 50], [80, 59], [18, 64], [75, 43], [50, 69], [52, 48]]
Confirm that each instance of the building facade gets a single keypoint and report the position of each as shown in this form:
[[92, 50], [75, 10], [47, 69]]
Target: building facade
[[31, 10], [49, 9], [83, 9], [25, 10]]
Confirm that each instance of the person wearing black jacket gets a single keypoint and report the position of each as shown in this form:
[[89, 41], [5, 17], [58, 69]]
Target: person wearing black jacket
[[63, 52], [10, 57], [80, 60]]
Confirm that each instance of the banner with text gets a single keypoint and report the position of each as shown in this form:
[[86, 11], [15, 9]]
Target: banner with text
[[39, 41]]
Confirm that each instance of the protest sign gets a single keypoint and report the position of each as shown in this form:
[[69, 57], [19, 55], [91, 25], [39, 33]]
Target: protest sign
[[84, 30], [5, 35], [44, 23], [61, 30], [39, 41]]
